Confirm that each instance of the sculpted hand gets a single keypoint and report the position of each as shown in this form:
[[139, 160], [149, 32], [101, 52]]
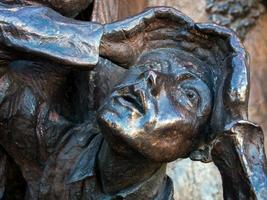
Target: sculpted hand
[[240, 157]]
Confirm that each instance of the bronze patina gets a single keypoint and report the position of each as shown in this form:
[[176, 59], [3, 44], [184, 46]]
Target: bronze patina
[[91, 111]]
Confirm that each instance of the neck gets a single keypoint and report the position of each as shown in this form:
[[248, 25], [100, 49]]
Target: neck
[[119, 172]]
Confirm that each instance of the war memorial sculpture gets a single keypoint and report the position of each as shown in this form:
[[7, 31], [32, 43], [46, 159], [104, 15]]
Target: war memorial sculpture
[[92, 111]]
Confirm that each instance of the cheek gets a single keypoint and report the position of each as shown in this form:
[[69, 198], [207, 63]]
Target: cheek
[[168, 143], [118, 124], [179, 141]]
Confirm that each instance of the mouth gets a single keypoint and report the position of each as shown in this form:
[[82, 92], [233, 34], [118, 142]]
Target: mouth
[[132, 101], [132, 97]]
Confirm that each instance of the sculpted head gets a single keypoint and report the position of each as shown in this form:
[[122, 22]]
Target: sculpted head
[[185, 83], [160, 107]]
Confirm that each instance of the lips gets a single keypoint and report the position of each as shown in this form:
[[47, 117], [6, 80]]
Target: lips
[[132, 101]]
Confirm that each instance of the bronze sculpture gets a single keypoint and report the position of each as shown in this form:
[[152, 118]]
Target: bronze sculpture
[[184, 94]]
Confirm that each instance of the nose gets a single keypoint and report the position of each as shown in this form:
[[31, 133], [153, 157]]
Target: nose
[[152, 80]]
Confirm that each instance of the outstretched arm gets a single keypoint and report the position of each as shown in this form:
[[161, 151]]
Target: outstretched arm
[[38, 31], [240, 157]]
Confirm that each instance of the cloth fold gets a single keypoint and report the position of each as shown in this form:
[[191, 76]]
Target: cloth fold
[[38, 30]]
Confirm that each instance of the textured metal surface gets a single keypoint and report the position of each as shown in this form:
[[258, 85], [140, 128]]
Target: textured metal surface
[[50, 35], [191, 180], [183, 93], [70, 8]]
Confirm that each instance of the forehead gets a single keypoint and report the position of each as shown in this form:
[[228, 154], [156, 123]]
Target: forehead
[[175, 62]]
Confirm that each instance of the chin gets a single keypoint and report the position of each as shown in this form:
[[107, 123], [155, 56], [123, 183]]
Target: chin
[[151, 146], [163, 155], [112, 135]]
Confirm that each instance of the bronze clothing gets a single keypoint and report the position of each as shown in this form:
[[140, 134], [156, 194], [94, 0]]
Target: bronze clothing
[[73, 173], [56, 155], [64, 153], [32, 91]]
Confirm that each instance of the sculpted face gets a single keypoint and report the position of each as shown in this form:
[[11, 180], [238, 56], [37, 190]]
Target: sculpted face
[[159, 107]]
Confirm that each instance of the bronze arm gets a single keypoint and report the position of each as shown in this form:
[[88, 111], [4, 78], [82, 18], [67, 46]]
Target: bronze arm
[[240, 157], [42, 32]]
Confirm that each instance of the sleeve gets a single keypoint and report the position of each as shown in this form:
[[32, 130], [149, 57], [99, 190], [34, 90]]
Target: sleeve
[[240, 157], [40, 31]]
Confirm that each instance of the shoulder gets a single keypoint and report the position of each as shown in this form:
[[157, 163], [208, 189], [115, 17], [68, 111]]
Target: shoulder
[[73, 160]]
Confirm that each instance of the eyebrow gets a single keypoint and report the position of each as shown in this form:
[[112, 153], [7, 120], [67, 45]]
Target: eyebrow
[[186, 75]]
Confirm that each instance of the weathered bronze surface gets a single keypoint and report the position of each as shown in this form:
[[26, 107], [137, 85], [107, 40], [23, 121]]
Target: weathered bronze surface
[[161, 87]]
